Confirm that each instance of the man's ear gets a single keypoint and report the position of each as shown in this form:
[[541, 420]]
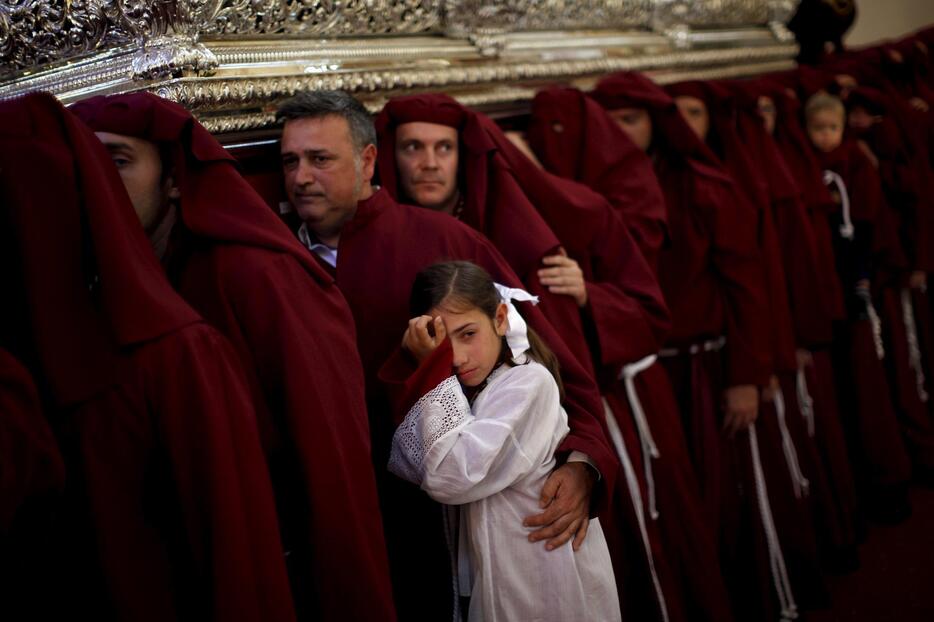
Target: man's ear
[[368, 159], [170, 187]]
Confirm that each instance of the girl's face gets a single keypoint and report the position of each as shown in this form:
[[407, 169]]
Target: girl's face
[[476, 339]]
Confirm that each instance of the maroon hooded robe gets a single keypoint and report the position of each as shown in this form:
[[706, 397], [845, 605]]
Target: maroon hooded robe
[[573, 136], [879, 456], [30, 463], [381, 250], [32, 476], [815, 312], [168, 510], [784, 443], [901, 203], [499, 206], [232, 258], [818, 428], [713, 282]]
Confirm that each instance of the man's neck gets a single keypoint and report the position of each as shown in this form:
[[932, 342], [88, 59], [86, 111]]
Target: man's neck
[[332, 239], [450, 206], [159, 237]]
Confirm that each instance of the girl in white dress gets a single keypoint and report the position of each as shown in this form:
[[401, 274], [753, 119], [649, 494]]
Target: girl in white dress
[[484, 440]]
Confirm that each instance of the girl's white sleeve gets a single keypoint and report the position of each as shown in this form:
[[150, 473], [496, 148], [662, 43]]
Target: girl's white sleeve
[[458, 456]]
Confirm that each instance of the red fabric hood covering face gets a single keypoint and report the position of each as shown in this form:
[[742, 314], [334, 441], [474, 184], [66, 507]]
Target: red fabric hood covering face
[[216, 202], [75, 255], [574, 137], [873, 100], [723, 136], [670, 132], [481, 161]]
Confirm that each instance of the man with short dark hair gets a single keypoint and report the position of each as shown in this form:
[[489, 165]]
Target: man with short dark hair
[[375, 256]]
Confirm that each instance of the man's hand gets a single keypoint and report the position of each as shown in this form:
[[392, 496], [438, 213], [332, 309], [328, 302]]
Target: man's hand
[[419, 340], [564, 277], [768, 393], [919, 104], [518, 139], [566, 501], [741, 405], [918, 280]]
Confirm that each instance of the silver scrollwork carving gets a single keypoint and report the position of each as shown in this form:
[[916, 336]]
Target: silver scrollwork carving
[[327, 18], [710, 13], [36, 32], [484, 16]]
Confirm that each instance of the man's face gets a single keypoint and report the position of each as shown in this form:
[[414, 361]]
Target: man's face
[[637, 124], [426, 156], [825, 129], [695, 113], [140, 166], [325, 176], [862, 119], [767, 111]]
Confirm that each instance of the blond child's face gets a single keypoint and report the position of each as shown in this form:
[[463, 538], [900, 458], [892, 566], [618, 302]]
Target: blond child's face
[[476, 339], [825, 129]]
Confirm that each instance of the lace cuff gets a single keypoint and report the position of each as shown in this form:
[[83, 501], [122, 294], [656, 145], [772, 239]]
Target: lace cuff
[[439, 412]]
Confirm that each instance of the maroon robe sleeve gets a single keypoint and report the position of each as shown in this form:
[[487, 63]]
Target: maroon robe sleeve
[[308, 371], [30, 463], [625, 303], [181, 437], [408, 381], [582, 399], [738, 263]]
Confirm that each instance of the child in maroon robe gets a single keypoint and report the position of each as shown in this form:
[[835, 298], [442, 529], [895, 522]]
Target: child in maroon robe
[[232, 258], [880, 459], [817, 303], [168, 511]]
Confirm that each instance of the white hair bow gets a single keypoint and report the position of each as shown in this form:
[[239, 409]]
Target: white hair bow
[[517, 334]]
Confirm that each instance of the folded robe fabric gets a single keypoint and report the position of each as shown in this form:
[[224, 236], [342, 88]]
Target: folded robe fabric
[[168, 509], [240, 266]]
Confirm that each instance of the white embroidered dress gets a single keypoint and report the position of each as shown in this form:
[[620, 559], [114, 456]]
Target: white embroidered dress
[[492, 460]]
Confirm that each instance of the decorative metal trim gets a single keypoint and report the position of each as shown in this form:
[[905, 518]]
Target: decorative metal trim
[[231, 60]]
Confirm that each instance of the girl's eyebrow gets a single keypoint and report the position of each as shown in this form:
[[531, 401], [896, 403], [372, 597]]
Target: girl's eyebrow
[[462, 328]]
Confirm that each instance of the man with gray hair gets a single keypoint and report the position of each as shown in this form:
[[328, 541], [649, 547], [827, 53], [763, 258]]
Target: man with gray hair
[[375, 247]]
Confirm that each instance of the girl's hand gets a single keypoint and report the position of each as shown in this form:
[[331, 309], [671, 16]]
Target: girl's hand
[[564, 277], [423, 335]]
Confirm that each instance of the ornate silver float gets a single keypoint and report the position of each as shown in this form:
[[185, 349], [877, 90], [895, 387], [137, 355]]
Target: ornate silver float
[[230, 61]]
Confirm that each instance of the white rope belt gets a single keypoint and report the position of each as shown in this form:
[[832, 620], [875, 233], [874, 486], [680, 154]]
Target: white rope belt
[[632, 482], [711, 345], [876, 324], [799, 482], [649, 448], [805, 401], [914, 351], [846, 229], [776, 560]]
